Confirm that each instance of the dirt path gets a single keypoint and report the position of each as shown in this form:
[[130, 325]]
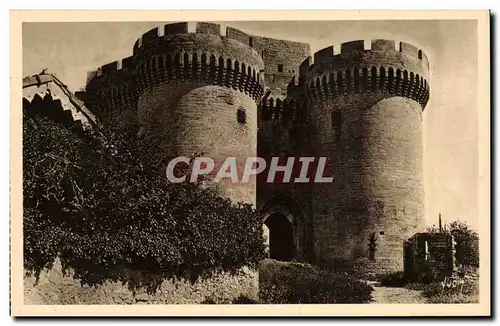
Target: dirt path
[[382, 294]]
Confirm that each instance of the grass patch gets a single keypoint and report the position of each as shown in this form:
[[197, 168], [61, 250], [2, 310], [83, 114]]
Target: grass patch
[[294, 283], [433, 291], [469, 293], [454, 298]]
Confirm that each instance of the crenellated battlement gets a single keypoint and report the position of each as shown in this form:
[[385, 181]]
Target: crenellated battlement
[[194, 28], [178, 28], [378, 49], [201, 57], [115, 66], [200, 28], [284, 109], [112, 88], [401, 71], [200, 67], [158, 32]]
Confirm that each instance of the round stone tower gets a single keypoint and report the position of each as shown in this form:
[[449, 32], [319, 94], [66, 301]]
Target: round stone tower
[[366, 111], [197, 92]]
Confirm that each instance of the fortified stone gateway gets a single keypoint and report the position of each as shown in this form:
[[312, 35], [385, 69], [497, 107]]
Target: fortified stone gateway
[[243, 95]]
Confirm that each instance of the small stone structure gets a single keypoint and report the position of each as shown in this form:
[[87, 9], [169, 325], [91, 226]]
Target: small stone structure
[[429, 255]]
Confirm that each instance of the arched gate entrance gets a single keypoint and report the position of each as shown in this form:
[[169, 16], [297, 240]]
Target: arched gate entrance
[[283, 228], [280, 237]]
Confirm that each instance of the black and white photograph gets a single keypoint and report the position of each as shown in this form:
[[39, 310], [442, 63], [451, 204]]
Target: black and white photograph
[[251, 162]]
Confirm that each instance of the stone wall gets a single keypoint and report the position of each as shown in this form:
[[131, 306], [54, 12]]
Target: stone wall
[[198, 93], [429, 255], [282, 59], [54, 288], [377, 170], [192, 119]]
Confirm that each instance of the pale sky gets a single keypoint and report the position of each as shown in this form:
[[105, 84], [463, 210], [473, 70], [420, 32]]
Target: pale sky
[[450, 118]]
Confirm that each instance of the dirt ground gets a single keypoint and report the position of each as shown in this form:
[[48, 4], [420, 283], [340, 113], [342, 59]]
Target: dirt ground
[[382, 294]]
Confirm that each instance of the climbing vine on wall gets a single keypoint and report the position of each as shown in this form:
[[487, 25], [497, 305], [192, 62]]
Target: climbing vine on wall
[[103, 207]]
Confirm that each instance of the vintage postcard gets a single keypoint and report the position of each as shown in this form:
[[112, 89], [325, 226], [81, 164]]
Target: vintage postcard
[[250, 163]]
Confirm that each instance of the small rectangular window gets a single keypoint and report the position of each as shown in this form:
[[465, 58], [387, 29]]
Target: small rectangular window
[[280, 68], [427, 254], [241, 116], [273, 78], [337, 124], [336, 119]]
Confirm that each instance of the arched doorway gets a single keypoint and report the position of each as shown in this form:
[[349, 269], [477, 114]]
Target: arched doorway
[[281, 244]]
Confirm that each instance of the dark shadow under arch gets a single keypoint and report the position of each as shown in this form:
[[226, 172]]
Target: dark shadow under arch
[[284, 218], [281, 244]]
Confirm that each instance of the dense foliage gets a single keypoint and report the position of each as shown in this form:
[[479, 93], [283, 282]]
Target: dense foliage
[[294, 283], [103, 206], [244, 299], [467, 242], [394, 279]]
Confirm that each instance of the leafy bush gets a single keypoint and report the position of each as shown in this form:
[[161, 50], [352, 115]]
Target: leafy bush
[[243, 299], [277, 278], [293, 283], [432, 289], [103, 205], [395, 279], [467, 242], [356, 268], [209, 300], [342, 265]]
